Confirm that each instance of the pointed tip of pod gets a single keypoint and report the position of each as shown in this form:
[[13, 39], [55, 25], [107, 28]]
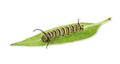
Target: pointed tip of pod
[[109, 18], [104, 21], [12, 44]]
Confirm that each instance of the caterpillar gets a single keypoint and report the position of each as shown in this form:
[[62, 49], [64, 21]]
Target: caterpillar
[[48, 36]]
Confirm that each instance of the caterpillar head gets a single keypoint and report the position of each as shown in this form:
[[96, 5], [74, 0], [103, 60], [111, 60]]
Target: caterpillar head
[[45, 38]]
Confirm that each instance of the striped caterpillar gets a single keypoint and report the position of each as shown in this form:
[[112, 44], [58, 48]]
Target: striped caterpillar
[[48, 36]]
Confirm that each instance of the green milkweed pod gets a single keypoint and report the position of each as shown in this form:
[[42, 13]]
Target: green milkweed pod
[[62, 34]]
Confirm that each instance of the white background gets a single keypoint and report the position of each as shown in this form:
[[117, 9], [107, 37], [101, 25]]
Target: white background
[[19, 17]]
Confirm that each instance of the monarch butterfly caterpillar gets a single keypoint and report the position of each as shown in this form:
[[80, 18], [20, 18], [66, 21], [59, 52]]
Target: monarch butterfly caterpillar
[[48, 36]]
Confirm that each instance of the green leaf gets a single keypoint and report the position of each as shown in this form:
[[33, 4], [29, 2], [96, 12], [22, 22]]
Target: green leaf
[[89, 30]]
